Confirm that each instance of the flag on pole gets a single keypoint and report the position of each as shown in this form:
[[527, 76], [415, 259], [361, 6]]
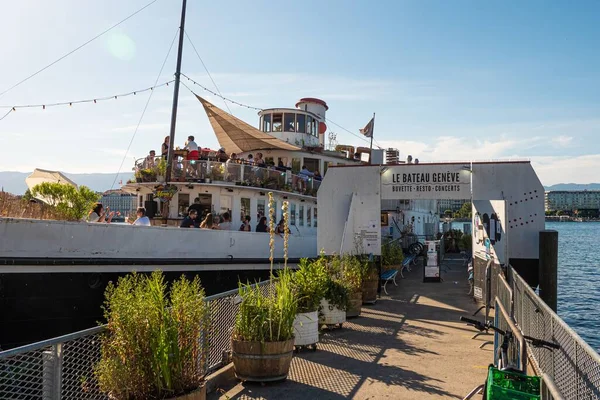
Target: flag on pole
[[368, 129]]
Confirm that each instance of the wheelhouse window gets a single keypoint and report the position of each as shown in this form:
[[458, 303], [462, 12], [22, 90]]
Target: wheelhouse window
[[301, 216], [315, 217], [290, 122], [277, 122], [308, 216], [293, 214], [309, 125], [301, 123], [315, 130], [266, 123]]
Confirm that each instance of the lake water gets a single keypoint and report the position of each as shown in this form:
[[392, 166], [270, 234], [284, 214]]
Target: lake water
[[579, 277]]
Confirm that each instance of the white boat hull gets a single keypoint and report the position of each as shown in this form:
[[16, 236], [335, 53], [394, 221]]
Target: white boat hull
[[52, 243]]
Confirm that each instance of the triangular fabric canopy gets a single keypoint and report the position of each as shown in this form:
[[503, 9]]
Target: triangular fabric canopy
[[41, 175], [236, 136]]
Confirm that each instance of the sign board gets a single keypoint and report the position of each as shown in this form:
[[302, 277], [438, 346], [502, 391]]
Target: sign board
[[489, 230], [432, 182]]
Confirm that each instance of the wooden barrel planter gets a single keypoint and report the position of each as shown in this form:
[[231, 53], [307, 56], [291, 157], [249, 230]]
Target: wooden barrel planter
[[262, 362], [369, 288], [356, 300], [331, 315], [198, 394]]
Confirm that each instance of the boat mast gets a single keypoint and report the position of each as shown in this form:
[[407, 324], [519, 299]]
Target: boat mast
[[176, 93]]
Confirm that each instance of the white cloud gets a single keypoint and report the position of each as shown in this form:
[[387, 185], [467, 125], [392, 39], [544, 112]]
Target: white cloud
[[567, 169], [562, 141]]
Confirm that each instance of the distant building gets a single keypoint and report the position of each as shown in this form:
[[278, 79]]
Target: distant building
[[120, 201], [452, 205], [571, 200]]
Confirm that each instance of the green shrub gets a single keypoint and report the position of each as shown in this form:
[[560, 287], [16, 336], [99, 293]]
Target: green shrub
[[309, 283], [154, 347], [353, 269], [267, 317], [391, 253], [466, 242], [69, 202]]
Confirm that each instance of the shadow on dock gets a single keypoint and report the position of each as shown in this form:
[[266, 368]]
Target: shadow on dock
[[410, 345]]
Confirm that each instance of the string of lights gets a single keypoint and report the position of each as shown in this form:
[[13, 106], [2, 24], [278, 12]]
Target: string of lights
[[77, 48], [92, 100], [219, 95]]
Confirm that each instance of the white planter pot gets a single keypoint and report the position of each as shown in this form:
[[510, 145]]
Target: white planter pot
[[330, 315], [306, 328]]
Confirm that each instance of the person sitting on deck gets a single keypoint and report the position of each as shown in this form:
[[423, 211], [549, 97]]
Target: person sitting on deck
[[280, 228], [198, 208], [98, 215], [192, 148], [304, 175], [245, 227], [208, 222], [262, 225], [318, 176], [221, 155], [259, 161], [250, 159], [188, 222], [142, 219], [226, 224], [149, 161]]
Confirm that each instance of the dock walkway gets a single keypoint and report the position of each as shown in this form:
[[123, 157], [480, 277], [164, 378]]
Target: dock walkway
[[410, 345]]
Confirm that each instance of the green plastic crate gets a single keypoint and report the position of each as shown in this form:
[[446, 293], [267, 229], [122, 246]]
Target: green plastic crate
[[512, 386]]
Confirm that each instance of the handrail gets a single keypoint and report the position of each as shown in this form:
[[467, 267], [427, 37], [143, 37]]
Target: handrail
[[548, 384], [242, 174]]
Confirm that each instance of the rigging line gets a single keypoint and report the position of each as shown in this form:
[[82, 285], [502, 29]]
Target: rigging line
[[352, 133], [77, 48], [6, 115], [144, 111], [206, 69], [64, 103]]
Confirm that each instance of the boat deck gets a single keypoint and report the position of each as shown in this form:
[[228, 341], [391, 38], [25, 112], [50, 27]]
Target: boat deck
[[410, 345]]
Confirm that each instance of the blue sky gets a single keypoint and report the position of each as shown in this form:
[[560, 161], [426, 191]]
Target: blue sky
[[448, 80]]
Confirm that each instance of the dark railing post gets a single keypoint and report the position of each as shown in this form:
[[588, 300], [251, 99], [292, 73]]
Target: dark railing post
[[548, 267]]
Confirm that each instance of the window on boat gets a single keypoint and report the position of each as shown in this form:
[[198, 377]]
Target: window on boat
[[266, 123], [269, 161], [301, 123], [295, 165], [183, 203], [293, 214], [325, 166], [141, 204], [275, 213], [308, 216], [309, 121], [315, 131], [301, 216], [226, 204], [315, 217], [260, 210], [290, 122], [244, 208], [277, 122]]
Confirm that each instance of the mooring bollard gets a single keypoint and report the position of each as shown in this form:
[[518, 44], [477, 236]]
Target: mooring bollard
[[548, 267]]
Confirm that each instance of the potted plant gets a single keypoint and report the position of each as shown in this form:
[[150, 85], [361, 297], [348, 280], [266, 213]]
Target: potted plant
[[138, 176], [353, 269], [391, 255], [309, 287], [263, 339], [156, 345], [161, 170], [332, 310], [370, 283], [148, 175]]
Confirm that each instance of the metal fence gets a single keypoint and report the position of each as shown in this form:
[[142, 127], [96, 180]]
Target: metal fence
[[63, 367], [575, 368]]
